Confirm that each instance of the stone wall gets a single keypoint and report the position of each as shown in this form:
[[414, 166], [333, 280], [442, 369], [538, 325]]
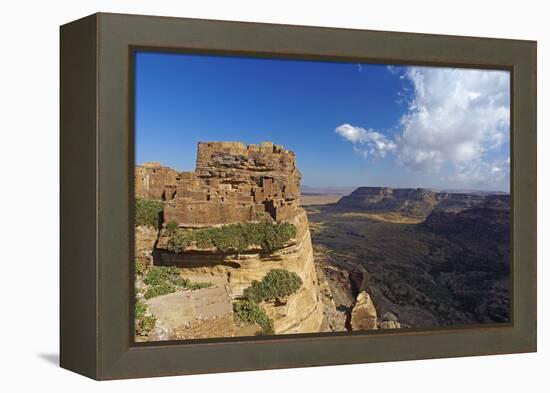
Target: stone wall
[[234, 183], [145, 240], [152, 179]]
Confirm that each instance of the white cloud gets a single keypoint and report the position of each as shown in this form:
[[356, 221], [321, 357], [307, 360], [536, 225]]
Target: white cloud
[[366, 142], [455, 119], [481, 174], [455, 116]]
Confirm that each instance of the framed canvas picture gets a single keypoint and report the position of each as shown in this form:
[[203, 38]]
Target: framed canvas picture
[[240, 196]]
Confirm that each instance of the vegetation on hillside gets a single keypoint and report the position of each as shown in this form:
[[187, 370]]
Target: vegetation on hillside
[[140, 267], [249, 312], [277, 283], [162, 280], [144, 321], [171, 227], [148, 212], [234, 237]]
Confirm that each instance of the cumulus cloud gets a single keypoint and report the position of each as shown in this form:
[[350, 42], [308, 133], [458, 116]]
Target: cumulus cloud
[[366, 142], [481, 174], [455, 119], [455, 116]]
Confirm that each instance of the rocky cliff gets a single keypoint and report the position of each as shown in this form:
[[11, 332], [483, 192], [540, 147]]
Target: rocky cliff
[[448, 266], [412, 202], [232, 184]]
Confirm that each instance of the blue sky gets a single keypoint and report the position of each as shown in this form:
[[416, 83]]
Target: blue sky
[[349, 124]]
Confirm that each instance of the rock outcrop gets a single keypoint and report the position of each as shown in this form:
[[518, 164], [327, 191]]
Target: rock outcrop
[[233, 183], [363, 314], [301, 312], [408, 201], [389, 321], [413, 202]]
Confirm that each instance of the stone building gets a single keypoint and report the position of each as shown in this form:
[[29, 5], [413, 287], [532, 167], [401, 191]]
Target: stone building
[[151, 179], [231, 183]]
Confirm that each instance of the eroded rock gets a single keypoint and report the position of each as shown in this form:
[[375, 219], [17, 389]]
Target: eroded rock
[[234, 183], [363, 314], [390, 325]]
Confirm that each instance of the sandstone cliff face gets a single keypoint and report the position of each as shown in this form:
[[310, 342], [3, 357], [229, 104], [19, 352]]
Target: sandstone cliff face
[[233, 183], [301, 312], [363, 316]]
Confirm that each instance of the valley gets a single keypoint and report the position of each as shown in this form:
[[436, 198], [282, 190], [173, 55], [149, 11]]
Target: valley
[[430, 259]]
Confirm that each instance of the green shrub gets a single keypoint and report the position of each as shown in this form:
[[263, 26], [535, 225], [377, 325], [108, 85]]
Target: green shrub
[[266, 331], [275, 236], [230, 237], [179, 241], [143, 323], [171, 227], [162, 280], [158, 290], [140, 267], [148, 323], [275, 284], [160, 274], [141, 309], [234, 237], [148, 212], [204, 239], [249, 312]]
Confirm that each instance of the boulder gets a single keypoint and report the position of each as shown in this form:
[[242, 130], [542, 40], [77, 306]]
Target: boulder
[[388, 316], [390, 325], [363, 314], [359, 278]]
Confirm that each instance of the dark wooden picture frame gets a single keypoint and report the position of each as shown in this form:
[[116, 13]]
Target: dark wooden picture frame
[[97, 164]]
